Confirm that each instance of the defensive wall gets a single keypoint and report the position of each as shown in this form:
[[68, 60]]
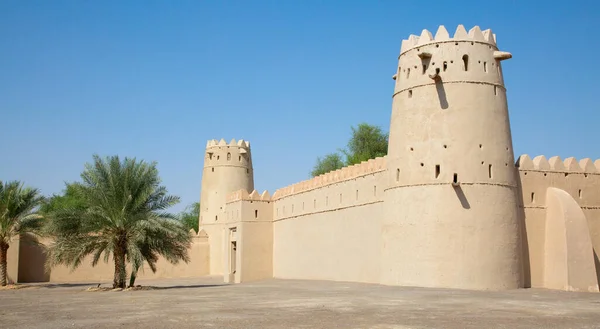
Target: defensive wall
[[581, 181], [328, 227], [248, 247], [27, 264]]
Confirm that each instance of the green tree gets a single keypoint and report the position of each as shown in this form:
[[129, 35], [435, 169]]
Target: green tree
[[123, 215], [68, 199], [326, 164], [18, 215], [366, 142], [190, 216]]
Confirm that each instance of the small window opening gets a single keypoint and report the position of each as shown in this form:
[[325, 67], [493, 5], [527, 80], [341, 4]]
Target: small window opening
[[410, 94], [247, 171], [397, 177], [255, 213], [210, 156], [218, 157], [465, 59], [408, 72], [213, 169], [580, 194], [422, 164], [437, 171], [485, 67], [490, 171], [480, 146], [240, 158], [495, 90], [228, 156], [445, 146], [216, 218], [437, 70], [445, 66], [532, 197], [424, 68], [455, 179]]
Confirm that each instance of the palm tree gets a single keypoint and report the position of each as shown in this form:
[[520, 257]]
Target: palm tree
[[17, 216], [123, 215]]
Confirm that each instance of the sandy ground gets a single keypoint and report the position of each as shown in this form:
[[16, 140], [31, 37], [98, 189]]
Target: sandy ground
[[207, 303]]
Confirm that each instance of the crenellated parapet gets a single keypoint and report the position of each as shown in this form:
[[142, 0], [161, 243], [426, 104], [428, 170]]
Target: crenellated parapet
[[442, 36], [347, 173], [579, 178], [467, 57], [243, 195], [556, 164], [235, 153], [222, 143]]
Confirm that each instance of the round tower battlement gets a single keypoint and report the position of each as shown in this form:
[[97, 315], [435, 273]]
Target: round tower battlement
[[468, 57], [234, 154]]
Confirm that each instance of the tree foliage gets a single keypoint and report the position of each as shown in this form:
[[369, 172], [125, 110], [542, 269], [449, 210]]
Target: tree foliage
[[18, 215], [118, 209], [190, 216], [366, 142], [68, 199], [330, 162]]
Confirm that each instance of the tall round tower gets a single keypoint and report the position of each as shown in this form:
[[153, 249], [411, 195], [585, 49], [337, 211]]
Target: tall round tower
[[450, 211], [227, 168]]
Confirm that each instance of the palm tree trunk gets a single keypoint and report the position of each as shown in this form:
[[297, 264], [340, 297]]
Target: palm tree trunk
[[3, 270], [133, 276], [120, 270]]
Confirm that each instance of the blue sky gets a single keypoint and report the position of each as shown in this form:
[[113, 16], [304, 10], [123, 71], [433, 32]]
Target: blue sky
[[156, 79]]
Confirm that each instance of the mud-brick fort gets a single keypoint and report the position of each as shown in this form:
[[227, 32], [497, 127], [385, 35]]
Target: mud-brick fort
[[447, 207]]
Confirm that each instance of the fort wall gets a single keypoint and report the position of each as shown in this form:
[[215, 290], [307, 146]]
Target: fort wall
[[250, 216], [580, 179], [328, 227], [32, 265]]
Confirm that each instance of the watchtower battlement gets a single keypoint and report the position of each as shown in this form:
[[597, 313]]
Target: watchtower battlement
[[442, 36], [468, 57], [234, 153]]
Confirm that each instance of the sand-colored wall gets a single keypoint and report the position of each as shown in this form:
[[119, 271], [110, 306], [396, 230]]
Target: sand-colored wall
[[227, 168], [569, 255], [251, 215], [581, 179], [12, 260], [328, 227], [103, 272]]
